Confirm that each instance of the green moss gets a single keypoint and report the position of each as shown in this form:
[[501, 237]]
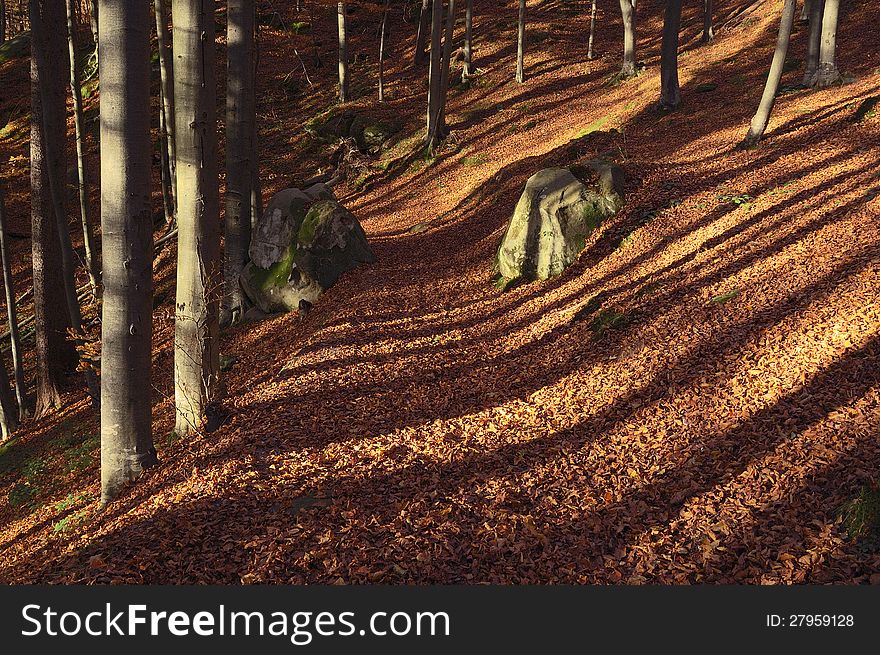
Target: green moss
[[861, 518], [15, 48], [595, 126], [274, 276], [317, 215], [608, 319]]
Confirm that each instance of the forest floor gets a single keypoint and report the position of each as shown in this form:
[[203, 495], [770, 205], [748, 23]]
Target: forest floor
[[697, 399]]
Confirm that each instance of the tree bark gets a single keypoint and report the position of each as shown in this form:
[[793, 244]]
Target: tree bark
[[811, 68], [467, 65], [92, 267], [382, 31], [93, 20], [762, 116], [670, 95], [199, 275], [166, 95], [447, 63], [21, 394], [434, 75], [127, 228], [55, 355], [592, 30], [628, 13], [256, 186], [47, 27], [708, 30], [422, 34], [2, 21], [521, 42], [828, 72], [240, 124], [343, 52]]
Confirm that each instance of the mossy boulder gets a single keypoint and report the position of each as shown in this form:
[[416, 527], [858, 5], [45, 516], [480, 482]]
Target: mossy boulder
[[330, 242], [369, 132], [302, 244], [16, 48], [557, 211]]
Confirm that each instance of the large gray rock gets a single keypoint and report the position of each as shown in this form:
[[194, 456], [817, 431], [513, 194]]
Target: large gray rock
[[301, 245], [554, 216]]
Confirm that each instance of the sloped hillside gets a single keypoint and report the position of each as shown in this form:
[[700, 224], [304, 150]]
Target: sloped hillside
[[695, 400]]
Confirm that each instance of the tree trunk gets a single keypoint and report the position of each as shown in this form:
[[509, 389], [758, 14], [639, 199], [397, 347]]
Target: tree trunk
[[55, 355], [92, 267], [8, 415], [240, 104], [762, 116], [828, 73], [256, 186], [199, 275], [12, 313], [93, 20], [2, 21], [811, 69], [521, 42], [628, 13], [127, 228], [446, 65], [47, 28], [343, 52], [670, 96], [467, 65], [592, 30], [708, 30], [166, 95], [434, 75], [422, 34], [805, 10], [382, 51]]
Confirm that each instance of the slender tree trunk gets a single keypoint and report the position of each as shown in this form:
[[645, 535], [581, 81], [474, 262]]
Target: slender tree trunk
[[343, 52], [447, 63], [805, 10], [45, 28], [670, 96], [592, 30], [55, 355], [811, 69], [92, 267], [467, 65], [8, 415], [434, 75], [21, 394], [2, 21], [628, 12], [256, 186], [199, 275], [127, 227], [762, 116], [93, 20], [166, 95], [382, 31], [240, 127], [521, 42], [422, 34], [708, 30], [828, 73], [165, 165]]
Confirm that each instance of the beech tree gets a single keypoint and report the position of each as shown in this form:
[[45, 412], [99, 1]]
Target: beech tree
[[343, 52], [166, 109], [21, 395], [762, 116], [670, 96], [92, 267], [828, 73], [811, 67], [468, 47], [708, 29], [628, 13], [521, 42], [55, 355], [196, 333], [127, 228], [592, 30], [240, 125], [382, 30], [422, 34], [434, 131]]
